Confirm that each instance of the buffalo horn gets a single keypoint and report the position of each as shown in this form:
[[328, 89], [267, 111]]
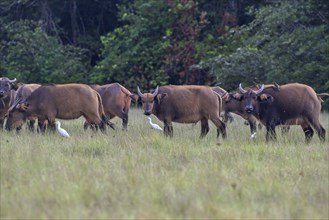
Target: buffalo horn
[[260, 90], [12, 81], [155, 91], [241, 89], [139, 92]]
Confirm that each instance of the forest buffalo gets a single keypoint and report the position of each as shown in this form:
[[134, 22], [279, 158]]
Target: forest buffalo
[[184, 104], [116, 101], [289, 102], [23, 92], [68, 101], [232, 104], [7, 96]]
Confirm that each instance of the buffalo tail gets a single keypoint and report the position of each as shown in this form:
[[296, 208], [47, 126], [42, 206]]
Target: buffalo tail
[[107, 121]]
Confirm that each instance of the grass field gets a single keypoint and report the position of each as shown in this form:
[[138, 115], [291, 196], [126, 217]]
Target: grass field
[[142, 174]]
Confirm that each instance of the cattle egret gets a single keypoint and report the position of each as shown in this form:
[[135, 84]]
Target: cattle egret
[[62, 132], [253, 136], [154, 126]]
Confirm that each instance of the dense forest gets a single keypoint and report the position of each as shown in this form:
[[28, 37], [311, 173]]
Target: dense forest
[[157, 42]]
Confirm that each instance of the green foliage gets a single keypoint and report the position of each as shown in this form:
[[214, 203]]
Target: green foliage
[[133, 53], [182, 53], [31, 55], [152, 42], [286, 42], [156, 45]]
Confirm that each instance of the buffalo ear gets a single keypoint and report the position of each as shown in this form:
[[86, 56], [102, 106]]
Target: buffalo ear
[[265, 97], [134, 97], [161, 96], [15, 86], [23, 106], [237, 96]]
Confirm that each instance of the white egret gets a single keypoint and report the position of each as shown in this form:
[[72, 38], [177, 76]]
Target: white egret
[[62, 132], [154, 126], [253, 136]]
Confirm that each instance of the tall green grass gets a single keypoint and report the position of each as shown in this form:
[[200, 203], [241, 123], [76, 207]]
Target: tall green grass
[[142, 174]]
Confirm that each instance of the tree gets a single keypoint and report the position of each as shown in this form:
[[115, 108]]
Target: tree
[[133, 54], [78, 23], [286, 42], [185, 32], [30, 55]]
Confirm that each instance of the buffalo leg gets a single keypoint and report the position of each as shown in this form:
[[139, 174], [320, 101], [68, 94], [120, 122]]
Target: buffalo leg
[[204, 128], [124, 121], [101, 125], [253, 126], [270, 132], [227, 117], [317, 126], [96, 122], [1, 123], [252, 121], [30, 124], [165, 130], [86, 125], [321, 132], [42, 125], [52, 126], [18, 129], [221, 127], [168, 129], [171, 130], [94, 127], [308, 131]]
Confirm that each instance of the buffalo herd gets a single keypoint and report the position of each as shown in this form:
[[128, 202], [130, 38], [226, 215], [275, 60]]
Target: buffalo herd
[[271, 105]]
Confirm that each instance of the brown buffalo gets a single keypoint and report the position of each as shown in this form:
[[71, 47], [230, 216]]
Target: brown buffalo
[[69, 101], [23, 92], [290, 102], [7, 96], [184, 104], [116, 101], [232, 104]]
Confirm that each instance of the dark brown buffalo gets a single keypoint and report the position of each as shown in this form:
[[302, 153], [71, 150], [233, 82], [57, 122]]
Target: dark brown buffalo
[[184, 104], [232, 104], [69, 101], [291, 101], [116, 101], [7, 96]]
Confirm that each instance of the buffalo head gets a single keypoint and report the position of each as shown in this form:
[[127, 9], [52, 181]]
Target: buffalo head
[[250, 98], [148, 99], [16, 115], [231, 102], [6, 85]]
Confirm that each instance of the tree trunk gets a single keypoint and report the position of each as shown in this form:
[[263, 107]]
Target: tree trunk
[[74, 21]]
